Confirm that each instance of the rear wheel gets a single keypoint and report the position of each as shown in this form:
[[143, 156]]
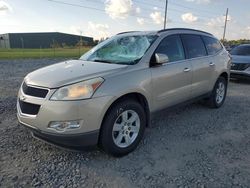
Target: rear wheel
[[218, 95], [123, 128]]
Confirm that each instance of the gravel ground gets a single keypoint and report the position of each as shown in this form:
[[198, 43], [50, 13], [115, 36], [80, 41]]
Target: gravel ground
[[190, 146]]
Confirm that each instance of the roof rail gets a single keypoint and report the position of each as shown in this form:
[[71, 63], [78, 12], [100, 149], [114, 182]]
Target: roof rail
[[126, 32], [187, 29]]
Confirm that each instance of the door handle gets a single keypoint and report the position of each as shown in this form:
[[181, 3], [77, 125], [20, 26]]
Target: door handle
[[186, 69], [211, 64]]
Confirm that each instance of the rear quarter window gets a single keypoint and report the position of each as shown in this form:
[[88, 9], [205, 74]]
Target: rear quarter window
[[213, 45], [194, 46]]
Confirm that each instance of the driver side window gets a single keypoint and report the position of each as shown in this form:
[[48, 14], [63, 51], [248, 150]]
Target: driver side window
[[172, 47]]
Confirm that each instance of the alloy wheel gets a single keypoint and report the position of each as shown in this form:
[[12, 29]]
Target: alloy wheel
[[126, 128], [220, 92]]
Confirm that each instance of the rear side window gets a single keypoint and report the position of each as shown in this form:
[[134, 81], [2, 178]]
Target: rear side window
[[172, 47], [194, 46], [213, 45]]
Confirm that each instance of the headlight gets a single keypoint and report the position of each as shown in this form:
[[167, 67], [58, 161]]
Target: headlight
[[81, 90]]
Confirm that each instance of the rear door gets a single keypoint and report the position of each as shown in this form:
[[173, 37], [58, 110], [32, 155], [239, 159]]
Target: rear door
[[216, 58], [197, 54], [171, 81]]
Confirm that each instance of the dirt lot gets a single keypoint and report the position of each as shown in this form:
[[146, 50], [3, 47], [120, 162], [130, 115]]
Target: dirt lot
[[190, 146]]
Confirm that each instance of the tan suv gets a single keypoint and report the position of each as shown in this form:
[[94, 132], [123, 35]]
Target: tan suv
[[106, 97]]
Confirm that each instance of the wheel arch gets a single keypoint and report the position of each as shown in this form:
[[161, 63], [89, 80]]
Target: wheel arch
[[222, 74], [134, 96], [225, 75]]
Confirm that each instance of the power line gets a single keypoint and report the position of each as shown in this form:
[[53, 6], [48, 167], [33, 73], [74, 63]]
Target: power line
[[148, 4], [147, 9], [102, 10], [192, 8], [160, 9], [181, 11], [199, 23], [87, 7], [75, 5]]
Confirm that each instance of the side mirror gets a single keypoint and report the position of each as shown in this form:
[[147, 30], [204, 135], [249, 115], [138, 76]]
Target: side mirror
[[161, 58]]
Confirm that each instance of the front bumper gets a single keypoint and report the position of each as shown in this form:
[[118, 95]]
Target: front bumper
[[74, 141], [240, 74], [90, 112]]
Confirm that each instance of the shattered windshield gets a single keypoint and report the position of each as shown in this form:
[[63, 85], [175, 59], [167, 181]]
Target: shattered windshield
[[120, 49]]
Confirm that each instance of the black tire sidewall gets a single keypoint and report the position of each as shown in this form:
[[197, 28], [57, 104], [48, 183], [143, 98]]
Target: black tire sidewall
[[223, 80], [106, 139]]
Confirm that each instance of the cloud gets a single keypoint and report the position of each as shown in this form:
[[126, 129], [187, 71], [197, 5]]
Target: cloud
[[140, 21], [120, 9], [97, 30], [245, 32], [235, 30], [157, 17], [138, 10], [200, 1], [215, 22], [73, 29], [4, 8], [189, 18], [219, 21]]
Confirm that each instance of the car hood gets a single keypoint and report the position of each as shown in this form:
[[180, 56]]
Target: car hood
[[69, 72], [240, 59]]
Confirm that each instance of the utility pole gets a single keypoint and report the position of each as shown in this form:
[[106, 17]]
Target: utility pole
[[225, 26], [5, 46], [166, 12], [80, 43], [54, 47], [22, 41]]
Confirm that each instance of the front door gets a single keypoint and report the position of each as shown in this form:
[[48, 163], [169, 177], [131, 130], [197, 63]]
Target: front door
[[171, 82]]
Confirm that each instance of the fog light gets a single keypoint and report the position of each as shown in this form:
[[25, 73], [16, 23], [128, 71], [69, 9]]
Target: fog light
[[62, 126]]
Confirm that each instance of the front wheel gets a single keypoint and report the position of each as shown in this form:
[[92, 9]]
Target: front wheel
[[219, 93], [123, 128]]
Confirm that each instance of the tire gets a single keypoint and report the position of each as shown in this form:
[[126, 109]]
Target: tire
[[219, 93], [119, 134]]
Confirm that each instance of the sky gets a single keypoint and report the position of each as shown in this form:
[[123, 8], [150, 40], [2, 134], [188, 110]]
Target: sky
[[104, 18]]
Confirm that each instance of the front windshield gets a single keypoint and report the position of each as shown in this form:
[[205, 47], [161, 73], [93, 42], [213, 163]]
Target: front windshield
[[241, 50], [120, 49]]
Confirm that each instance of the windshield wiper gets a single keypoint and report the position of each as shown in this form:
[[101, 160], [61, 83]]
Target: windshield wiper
[[102, 61], [119, 63]]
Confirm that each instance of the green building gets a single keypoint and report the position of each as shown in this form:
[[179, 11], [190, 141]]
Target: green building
[[42, 40]]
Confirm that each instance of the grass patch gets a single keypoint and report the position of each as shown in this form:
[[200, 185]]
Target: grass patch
[[43, 53]]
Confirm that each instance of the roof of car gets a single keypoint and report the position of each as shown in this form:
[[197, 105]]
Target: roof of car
[[184, 29], [138, 32], [164, 30]]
